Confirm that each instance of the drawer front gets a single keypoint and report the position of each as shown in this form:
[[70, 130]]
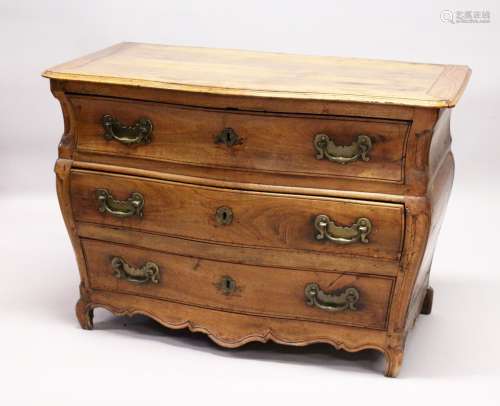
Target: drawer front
[[294, 144], [315, 296], [242, 218]]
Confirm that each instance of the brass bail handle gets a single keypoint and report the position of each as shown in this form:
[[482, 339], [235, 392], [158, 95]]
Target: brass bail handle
[[133, 206], [327, 148], [343, 300], [138, 133], [328, 230], [149, 272]]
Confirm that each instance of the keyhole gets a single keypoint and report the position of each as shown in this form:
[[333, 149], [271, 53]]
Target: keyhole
[[224, 215], [227, 137], [226, 285]]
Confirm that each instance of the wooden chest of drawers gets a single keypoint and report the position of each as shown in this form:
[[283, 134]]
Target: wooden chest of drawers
[[256, 196]]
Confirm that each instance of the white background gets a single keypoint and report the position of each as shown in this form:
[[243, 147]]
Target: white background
[[452, 356]]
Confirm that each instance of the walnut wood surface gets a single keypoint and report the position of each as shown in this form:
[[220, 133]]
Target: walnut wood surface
[[264, 74], [233, 330], [260, 256], [259, 219], [268, 142], [275, 192], [259, 290], [234, 102], [416, 173]]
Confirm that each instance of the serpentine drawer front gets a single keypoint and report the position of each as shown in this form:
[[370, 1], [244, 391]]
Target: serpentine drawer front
[[345, 227], [295, 144], [256, 196], [239, 288]]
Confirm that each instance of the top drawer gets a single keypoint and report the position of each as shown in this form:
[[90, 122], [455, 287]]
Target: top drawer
[[326, 146]]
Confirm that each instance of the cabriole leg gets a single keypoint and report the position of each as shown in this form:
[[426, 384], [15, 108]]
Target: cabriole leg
[[394, 359], [427, 303], [85, 314]]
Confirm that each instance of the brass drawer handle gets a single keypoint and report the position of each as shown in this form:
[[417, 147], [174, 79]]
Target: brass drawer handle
[[327, 229], [133, 206], [345, 300], [228, 137], [149, 272], [138, 133], [342, 154]]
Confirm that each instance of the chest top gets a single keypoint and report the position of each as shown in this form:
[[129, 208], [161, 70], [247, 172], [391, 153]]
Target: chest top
[[274, 75]]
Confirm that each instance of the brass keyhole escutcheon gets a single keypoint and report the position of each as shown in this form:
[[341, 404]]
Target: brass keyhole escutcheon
[[226, 285], [228, 137], [224, 215]]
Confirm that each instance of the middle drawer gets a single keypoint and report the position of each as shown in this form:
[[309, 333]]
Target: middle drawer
[[236, 217]]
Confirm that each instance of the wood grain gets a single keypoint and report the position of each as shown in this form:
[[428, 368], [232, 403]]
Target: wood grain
[[259, 290], [232, 330], [260, 256], [268, 142], [259, 219], [62, 170], [235, 102], [418, 143], [271, 181], [236, 72]]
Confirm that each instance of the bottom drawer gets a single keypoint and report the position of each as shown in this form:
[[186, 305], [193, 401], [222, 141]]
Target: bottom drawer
[[307, 295]]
